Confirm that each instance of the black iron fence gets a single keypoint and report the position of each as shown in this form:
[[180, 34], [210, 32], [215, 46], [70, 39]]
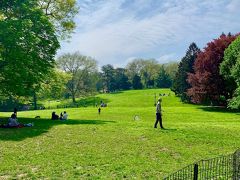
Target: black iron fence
[[220, 168]]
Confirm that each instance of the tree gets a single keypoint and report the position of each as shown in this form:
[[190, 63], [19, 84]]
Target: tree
[[136, 83], [180, 84], [133, 68], [171, 69], [208, 86], [121, 80], [55, 87], [146, 69], [163, 80], [230, 69], [81, 68], [28, 44], [61, 13], [108, 75]]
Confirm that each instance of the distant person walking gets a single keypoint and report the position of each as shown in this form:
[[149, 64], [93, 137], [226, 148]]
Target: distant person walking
[[159, 114], [99, 110]]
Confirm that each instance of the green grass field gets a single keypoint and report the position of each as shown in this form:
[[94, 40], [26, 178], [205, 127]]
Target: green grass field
[[113, 145]]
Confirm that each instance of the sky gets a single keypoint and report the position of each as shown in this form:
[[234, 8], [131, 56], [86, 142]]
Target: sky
[[117, 31]]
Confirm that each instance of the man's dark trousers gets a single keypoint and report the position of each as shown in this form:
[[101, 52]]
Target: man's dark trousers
[[158, 119]]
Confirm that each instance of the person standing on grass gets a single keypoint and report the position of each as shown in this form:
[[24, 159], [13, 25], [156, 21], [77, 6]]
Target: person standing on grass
[[159, 114]]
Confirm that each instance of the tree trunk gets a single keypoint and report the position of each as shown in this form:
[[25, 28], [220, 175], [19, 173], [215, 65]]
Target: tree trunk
[[73, 98], [35, 101]]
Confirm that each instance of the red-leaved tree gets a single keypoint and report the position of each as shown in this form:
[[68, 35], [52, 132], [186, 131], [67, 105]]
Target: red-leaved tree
[[207, 85]]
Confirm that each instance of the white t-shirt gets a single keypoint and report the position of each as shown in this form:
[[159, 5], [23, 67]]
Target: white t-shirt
[[65, 116], [158, 107]]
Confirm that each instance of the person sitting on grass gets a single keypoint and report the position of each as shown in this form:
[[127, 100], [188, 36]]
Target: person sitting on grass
[[12, 122], [65, 115], [61, 116], [54, 116]]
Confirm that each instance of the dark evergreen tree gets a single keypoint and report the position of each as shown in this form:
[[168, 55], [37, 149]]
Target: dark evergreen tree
[[137, 84], [180, 84], [121, 80], [108, 74], [163, 79]]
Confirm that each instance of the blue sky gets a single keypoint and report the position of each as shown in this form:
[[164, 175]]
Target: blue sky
[[117, 31]]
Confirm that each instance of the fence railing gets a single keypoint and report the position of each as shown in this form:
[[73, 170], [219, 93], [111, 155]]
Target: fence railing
[[221, 168]]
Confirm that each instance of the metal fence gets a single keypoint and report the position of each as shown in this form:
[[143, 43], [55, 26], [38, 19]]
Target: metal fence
[[220, 168]]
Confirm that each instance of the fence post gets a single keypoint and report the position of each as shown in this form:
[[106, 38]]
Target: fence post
[[195, 175], [236, 165]]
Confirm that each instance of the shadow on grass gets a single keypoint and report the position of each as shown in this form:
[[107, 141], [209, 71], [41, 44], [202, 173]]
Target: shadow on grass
[[41, 126], [169, 129], [83, 102], [220, 109], [116, 92]]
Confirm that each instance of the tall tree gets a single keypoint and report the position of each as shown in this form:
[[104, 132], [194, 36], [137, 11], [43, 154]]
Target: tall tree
[[163, 80], [61, 13], [146, 69], [171, 69], [133, 68], [180, 84], [81, 68], [208, 86], [28, 44], [121, 79], [136, 83], [108, 75], [230, 69]]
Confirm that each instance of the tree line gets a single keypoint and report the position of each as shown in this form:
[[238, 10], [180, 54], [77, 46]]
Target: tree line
[[29, 39], [80, 76], [211, 76]]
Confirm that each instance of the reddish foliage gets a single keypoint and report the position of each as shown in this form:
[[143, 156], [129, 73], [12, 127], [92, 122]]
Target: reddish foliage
[[207, 84]]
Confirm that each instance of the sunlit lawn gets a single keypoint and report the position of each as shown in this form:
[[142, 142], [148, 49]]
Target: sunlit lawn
[[113, 145]]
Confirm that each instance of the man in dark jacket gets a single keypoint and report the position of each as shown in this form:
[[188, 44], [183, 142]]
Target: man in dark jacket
[[159, 114]]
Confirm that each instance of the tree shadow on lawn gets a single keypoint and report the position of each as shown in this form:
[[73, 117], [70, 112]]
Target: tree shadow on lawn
[[219, 109], [41, 126], [169, 129]]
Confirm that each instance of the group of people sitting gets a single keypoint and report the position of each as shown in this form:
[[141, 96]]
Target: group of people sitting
[[63, 116], [12, 122]]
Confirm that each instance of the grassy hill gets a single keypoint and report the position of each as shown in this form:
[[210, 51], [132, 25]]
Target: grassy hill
[[114, 145]]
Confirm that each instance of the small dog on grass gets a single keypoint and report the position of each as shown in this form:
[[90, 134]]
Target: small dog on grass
[[37, 117]]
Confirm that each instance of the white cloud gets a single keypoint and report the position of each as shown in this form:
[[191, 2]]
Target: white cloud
[[114, 30]]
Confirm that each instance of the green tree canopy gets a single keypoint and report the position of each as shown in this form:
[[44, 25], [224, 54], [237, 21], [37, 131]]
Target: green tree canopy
[[61, 13], [108, 77], [147, 70], [28, 44], [230, 69], [163, 80], [81, 68], [136, 82]]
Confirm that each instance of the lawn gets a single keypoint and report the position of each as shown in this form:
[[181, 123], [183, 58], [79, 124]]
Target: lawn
[[113, 145]]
